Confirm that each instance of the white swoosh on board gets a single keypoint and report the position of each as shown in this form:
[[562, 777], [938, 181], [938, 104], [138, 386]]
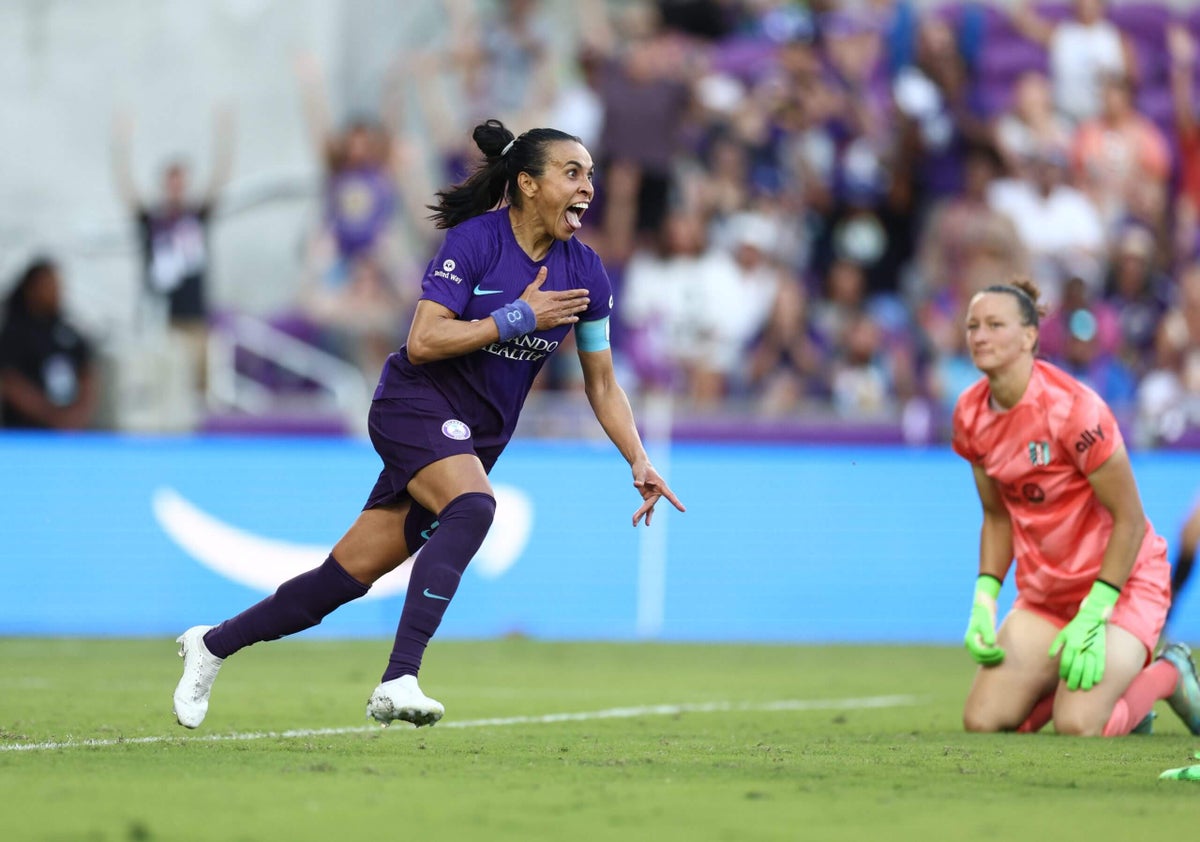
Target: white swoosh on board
[[265, 563]]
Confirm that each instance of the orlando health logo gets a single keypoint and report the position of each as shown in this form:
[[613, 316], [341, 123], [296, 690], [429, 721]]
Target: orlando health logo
[[528, 348]]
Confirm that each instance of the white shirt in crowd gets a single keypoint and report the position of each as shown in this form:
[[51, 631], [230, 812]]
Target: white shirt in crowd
[[1061, 230], [1080, 56]]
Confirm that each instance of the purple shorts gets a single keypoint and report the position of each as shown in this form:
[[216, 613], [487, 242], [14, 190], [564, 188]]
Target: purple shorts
[[409, 434]]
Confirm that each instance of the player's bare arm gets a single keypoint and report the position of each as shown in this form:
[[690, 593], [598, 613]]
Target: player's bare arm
[[437, 333], [995, 536], [611, 407], [1116, 489]]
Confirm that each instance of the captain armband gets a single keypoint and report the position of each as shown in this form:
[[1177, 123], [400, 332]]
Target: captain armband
[[593, 335]]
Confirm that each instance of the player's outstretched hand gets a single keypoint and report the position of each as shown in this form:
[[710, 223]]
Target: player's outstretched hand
[[981, 628], [1082, 641], [653, 488], [554, 307]]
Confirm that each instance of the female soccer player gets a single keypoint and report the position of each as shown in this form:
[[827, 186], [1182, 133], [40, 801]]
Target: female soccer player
[[499, 297], [1059, 495]]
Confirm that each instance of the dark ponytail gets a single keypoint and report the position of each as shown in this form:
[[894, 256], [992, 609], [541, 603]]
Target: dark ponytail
[[495, 179]]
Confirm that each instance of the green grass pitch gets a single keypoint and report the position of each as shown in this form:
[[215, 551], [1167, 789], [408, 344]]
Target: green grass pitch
[[669, 742]]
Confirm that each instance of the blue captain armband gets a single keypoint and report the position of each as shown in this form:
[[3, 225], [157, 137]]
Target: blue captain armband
[[592, 336]]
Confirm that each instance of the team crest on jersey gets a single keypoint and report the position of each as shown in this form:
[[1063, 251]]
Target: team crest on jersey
[[455, 429], [1039, 452]]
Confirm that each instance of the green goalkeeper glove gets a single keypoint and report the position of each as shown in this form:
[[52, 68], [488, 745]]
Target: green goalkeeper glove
[[1184, 773], [981, 630], [1082, 640]]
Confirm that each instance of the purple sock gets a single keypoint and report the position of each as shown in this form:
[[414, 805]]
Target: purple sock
[[297, 604], [437, 570]]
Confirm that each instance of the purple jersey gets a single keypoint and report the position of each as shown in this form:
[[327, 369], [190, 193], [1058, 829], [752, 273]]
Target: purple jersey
[[479, 268]]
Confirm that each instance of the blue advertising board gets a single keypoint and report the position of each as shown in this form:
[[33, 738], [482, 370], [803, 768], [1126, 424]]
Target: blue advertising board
[[110, 535]]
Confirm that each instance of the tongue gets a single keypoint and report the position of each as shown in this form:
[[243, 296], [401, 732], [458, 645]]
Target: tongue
[[573, 220]]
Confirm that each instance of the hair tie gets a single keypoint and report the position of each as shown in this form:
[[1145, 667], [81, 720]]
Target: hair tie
[[504, 151]]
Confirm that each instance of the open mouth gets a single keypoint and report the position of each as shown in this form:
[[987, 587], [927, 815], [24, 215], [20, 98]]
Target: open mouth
[[575, 215]]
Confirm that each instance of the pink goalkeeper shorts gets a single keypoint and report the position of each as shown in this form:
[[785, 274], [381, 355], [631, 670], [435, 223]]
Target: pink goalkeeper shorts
[[1141, 609]]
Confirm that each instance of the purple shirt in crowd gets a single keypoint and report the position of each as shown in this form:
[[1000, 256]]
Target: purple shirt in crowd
[[479, 268], [359, 205]]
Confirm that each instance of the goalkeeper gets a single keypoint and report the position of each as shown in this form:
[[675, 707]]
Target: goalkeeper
[[1092, 578]]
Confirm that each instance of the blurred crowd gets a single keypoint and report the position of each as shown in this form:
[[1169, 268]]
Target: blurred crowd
[[795, 201], [801, 199]]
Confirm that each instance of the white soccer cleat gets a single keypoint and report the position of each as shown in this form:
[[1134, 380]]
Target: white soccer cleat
[[199, 672], [401, 698]]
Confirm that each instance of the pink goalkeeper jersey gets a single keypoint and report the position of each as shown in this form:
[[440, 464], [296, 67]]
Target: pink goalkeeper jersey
[[1040, 453]]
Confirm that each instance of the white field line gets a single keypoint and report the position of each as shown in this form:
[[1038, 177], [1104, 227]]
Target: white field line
[[865, 703]]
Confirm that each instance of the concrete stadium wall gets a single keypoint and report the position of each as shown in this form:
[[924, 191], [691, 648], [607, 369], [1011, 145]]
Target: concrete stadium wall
[[70, 67]]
